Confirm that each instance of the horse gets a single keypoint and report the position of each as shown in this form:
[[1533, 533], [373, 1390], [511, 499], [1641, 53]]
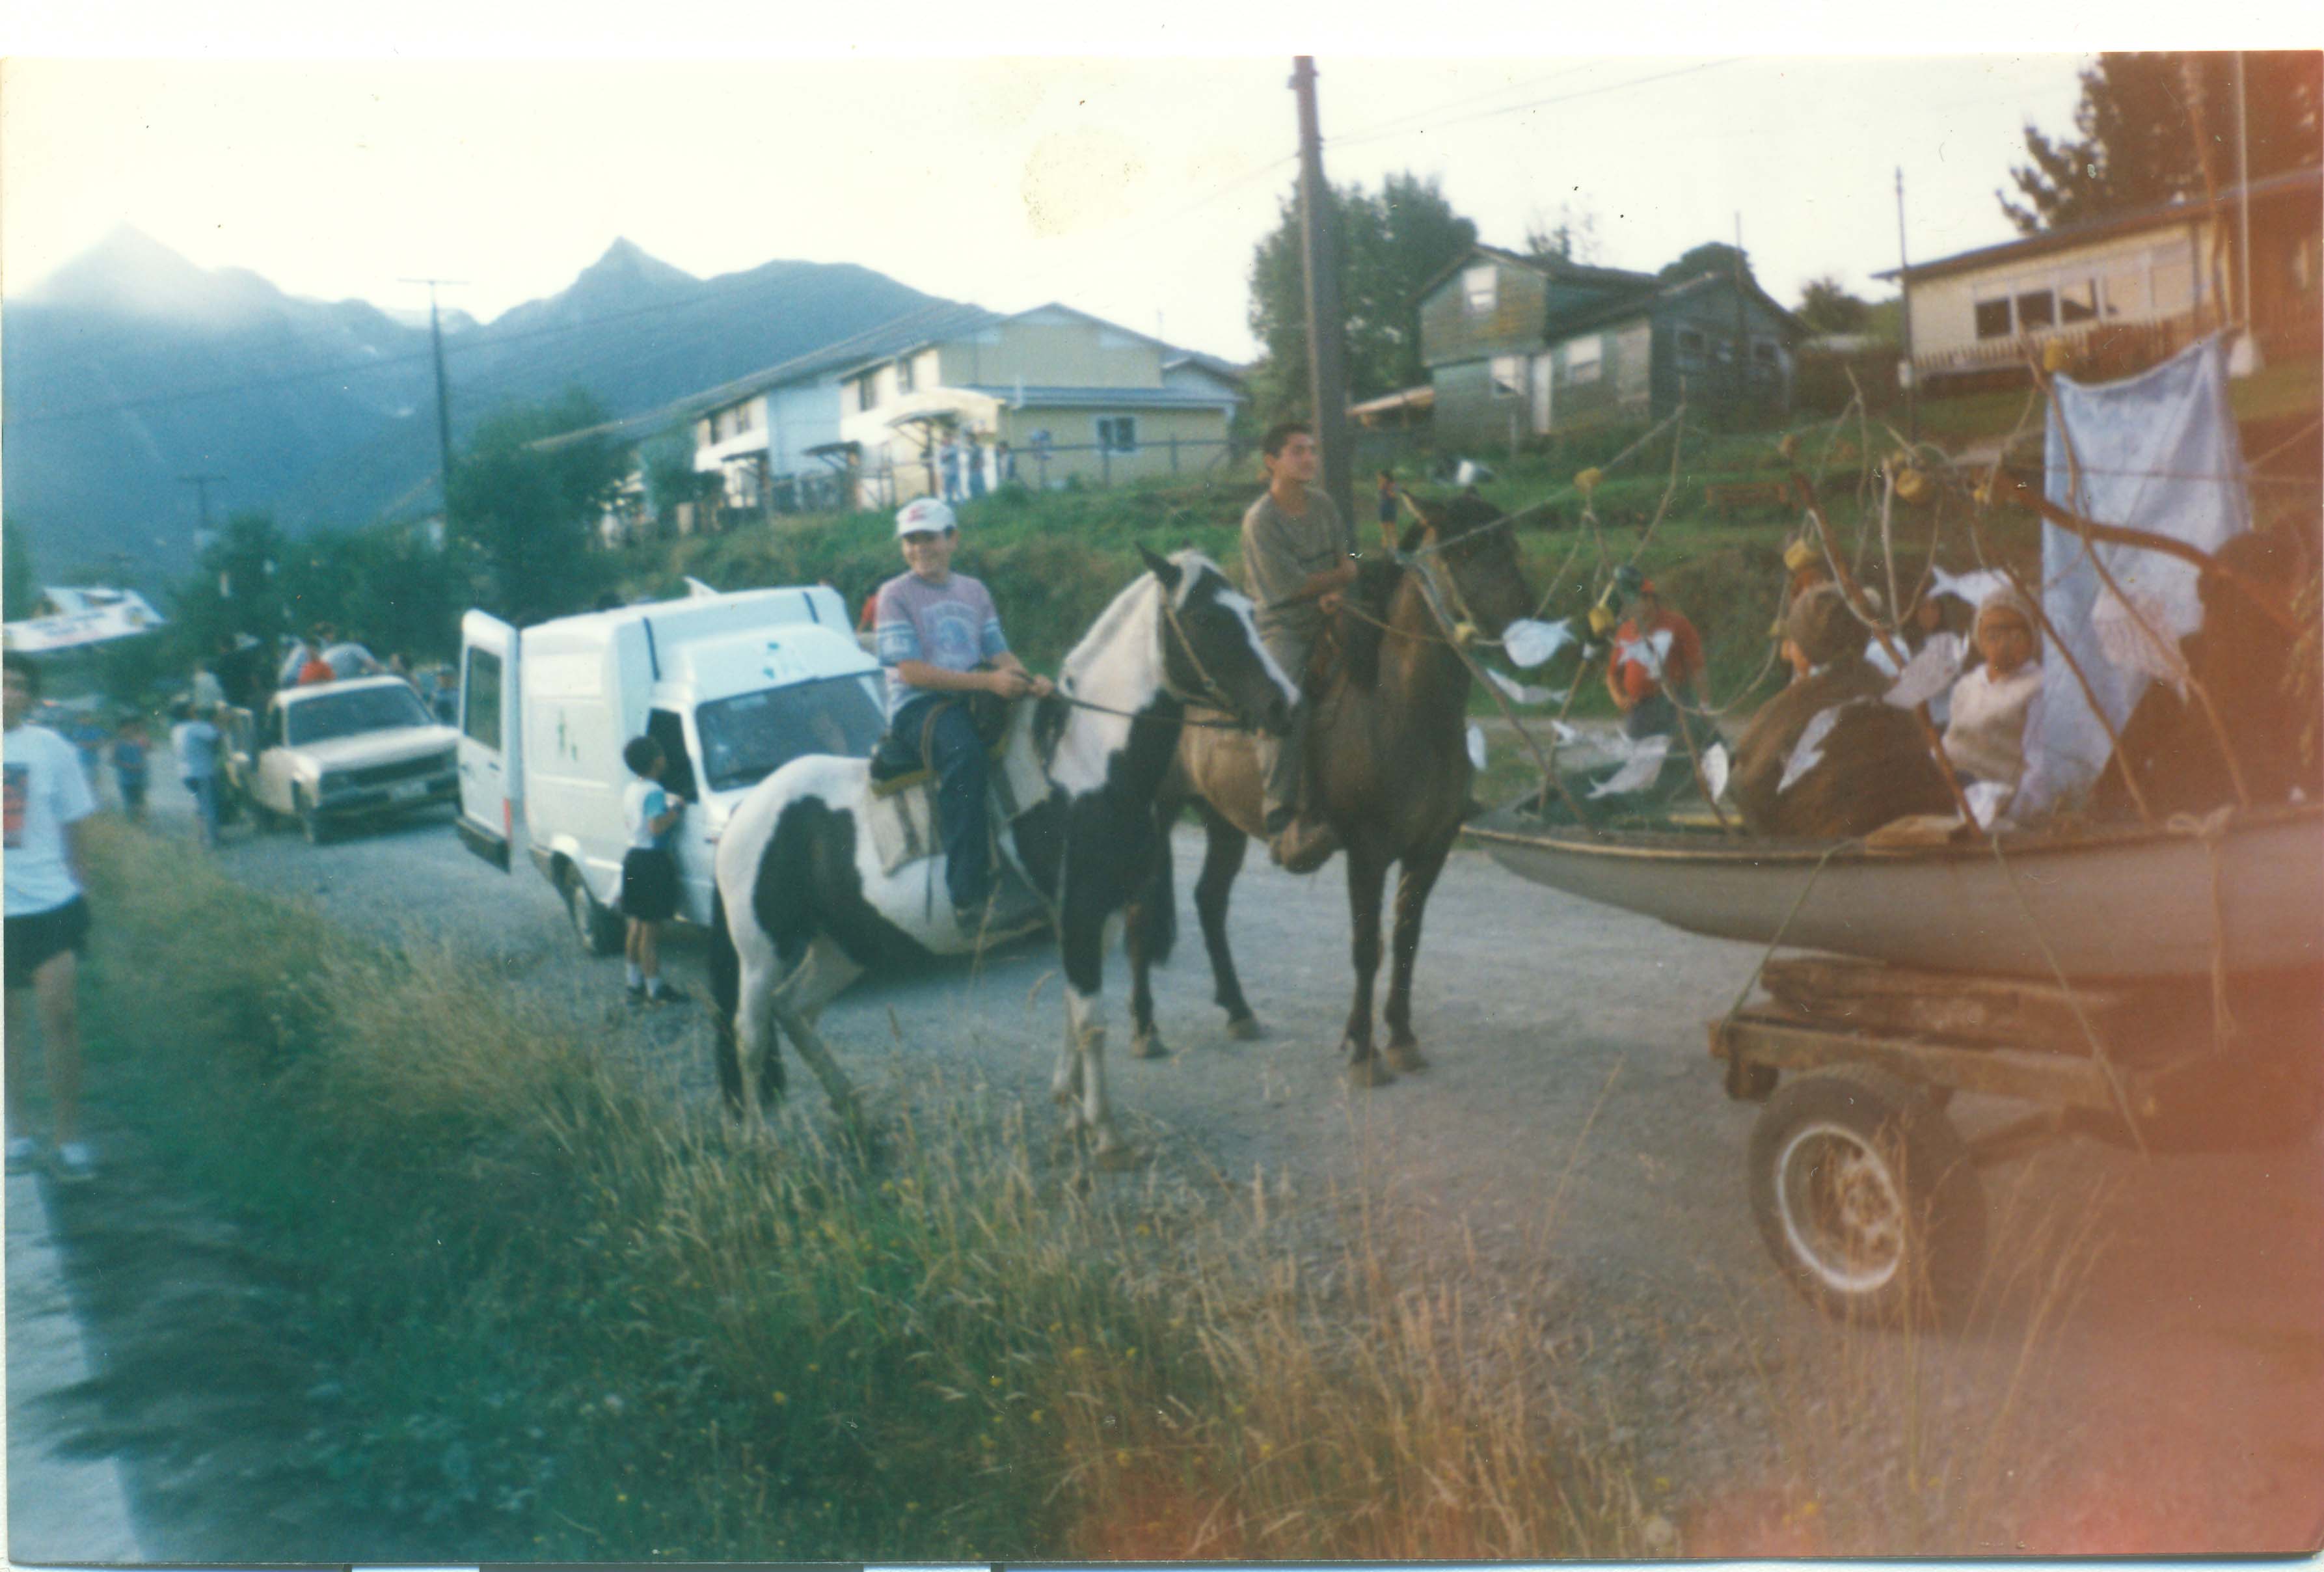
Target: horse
[[1387, 766], [803, 905]]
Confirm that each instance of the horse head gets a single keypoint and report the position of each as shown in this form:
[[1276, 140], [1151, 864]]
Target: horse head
[[1210, 650], [1479, 556]]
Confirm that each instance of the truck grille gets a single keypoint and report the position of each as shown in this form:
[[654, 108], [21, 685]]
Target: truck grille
[[382, 774]]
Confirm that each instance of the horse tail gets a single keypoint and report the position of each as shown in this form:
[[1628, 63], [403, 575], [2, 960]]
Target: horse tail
[[726, 993]]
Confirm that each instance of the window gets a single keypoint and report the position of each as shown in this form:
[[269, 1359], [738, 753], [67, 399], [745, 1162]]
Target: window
[[1585, 360], [867, 392], [1691, 349], [1480, 289], [481, 699], [1762, 353], [747, 737], [905, 381], [1117, 433], [2078, 300], [2036, 308], [2174, 280], [1993, 318], [1509, 375], [351, 713]]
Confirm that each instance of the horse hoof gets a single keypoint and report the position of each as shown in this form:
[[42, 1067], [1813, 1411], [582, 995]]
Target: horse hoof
[[1367, 1072], [1405, 1057], [1148, 1045], [1246, 1029]]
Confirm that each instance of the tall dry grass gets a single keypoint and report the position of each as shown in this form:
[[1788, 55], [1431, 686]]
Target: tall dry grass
[[580, 1320]]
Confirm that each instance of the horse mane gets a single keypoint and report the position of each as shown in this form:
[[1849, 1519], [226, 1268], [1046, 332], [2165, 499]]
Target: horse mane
[[1359, 630]]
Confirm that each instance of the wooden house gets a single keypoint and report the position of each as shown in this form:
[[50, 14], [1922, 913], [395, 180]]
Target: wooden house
[[1520, 347]]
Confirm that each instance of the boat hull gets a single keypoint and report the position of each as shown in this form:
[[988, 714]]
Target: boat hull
[[2129, 904]]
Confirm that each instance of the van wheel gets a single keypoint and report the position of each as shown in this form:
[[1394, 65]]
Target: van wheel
[[601, 931]]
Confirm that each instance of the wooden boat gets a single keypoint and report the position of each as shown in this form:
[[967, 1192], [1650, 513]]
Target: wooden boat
[[2095, 904]]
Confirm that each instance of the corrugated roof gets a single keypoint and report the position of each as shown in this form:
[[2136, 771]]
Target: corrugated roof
[[2073, 235]]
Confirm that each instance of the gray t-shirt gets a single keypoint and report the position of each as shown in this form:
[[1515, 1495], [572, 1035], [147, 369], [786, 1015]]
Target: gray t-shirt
[[1280, 552]]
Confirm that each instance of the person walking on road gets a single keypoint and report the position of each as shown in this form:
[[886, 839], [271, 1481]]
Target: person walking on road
[[47, 920], [129, 766], [195, 740]]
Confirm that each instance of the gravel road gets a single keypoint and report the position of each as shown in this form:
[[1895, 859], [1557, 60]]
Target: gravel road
[[1571, 1142]]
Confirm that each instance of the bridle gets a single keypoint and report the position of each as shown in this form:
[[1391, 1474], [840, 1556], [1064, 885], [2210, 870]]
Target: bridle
[[1212, 695]]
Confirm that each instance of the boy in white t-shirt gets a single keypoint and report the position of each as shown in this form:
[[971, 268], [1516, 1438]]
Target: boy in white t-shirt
[[649, 872], [47, 918]]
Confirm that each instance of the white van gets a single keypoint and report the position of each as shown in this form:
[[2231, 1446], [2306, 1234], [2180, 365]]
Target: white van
[[732, 687]]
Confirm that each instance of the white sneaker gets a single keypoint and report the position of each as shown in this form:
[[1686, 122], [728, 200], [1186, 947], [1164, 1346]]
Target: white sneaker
[[24, 1155], [75, 1160]]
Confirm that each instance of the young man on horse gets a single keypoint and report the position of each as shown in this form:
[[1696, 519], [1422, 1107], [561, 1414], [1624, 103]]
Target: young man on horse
[[1298, 555], [939, 636]]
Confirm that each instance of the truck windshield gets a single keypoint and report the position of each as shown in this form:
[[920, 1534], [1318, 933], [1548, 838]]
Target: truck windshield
[[751, 736], [364, 709]]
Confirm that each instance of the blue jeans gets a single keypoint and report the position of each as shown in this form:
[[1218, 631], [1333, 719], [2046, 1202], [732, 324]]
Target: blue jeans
[[206, 807], [958, 755]]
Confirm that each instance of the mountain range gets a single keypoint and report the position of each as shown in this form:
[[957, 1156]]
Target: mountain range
[[131, 368]]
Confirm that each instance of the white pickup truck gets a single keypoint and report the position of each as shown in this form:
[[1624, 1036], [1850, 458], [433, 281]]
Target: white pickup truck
[[334, 753], [732, 686]]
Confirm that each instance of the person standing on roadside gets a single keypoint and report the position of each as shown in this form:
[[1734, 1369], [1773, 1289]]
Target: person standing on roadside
[[47, 918], [129, 767], [1298, 556], [649, 871], [195, 740]]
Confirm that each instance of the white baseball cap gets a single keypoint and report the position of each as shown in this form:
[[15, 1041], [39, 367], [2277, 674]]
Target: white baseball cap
[[925, 513]]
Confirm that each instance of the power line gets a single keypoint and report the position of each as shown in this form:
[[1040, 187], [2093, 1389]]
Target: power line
[[1538, 103], [1380, 127]]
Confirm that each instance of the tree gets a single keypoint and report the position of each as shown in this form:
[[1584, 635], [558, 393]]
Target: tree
[[1389, 244], [1711, 256], [529, 510], [1573, 237], [1826, 307], [22, 582], [2137, 144]]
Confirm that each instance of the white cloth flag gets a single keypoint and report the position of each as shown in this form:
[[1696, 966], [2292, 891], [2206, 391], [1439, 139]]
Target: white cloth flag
[[1651, 651], [1518, 692], [1715, 769], [1530, 642], [1929, 675], [1476, 744], [1642, 762], [2156, 452]]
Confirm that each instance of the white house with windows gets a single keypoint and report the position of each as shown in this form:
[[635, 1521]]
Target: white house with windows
[[2157, 276], [1046, 396]]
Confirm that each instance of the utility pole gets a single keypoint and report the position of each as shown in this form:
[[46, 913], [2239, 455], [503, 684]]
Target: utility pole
[[1904, 309], [2243, 359], [1327, 351], [201, 484], [443, 403]]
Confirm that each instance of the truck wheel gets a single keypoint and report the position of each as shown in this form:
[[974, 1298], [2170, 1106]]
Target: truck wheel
[[601, 931], [311, 822], [1866, 1198]]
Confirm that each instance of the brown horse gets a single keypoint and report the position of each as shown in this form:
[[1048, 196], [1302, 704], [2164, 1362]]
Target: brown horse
[[1387, 765]]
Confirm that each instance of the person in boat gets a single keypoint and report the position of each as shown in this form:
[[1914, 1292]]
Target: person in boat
[[1826, 758], [1926, 629], [1298, 561], [939, 637], [1995, 706], [1656, 652]]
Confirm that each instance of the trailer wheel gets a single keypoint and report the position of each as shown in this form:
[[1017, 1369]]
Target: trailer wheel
[[1866, 1198], [601, 931]]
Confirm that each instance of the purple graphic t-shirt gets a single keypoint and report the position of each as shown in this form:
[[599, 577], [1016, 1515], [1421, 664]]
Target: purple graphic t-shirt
[[952, 625]]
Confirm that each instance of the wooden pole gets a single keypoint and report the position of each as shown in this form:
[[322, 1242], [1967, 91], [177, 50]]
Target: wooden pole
[[1327, 351]]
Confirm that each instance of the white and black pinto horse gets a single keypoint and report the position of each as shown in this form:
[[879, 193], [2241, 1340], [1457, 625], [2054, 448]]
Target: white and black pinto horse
[[805, 906]]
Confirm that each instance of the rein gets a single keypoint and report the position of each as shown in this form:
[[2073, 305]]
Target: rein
[[1214, 695]]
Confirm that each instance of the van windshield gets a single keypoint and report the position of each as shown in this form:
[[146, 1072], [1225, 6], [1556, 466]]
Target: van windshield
[[751, 736], [363, 709]]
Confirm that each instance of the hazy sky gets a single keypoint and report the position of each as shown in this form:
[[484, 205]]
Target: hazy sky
[[1133, 186]]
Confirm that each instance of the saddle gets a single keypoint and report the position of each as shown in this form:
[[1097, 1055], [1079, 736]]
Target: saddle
[[901, 809]]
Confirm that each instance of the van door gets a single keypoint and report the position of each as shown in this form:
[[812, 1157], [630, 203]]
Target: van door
[[491, 763]]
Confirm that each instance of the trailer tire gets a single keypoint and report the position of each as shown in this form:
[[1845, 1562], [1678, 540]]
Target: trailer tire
[[600, 930], [1866, 1198]]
